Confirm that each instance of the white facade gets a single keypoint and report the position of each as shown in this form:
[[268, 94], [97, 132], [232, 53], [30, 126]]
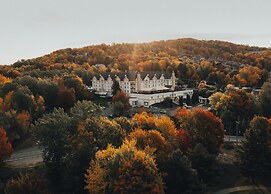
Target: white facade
[[146, 100], [144, 89], [103, 84]]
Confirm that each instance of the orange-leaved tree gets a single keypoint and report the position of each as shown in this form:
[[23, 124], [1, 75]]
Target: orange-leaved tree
[[162, 124], [5, 146], [4, 80], [153, 139]]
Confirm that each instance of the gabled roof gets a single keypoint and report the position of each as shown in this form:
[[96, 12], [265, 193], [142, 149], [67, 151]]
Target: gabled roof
[[133, 74], [157, 73]]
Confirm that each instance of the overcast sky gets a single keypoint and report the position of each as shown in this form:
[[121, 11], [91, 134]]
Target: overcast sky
[[31, 28]]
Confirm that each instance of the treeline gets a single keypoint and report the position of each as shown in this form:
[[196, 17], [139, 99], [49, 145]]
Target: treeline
[[192, 60], [85, 152], [48, 96], [25, 99], [237, 107], [30, 88]]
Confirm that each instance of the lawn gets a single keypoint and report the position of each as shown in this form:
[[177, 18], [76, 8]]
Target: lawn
[[227, 173]]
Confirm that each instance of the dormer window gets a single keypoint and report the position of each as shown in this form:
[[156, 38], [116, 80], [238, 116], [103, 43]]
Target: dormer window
[[147, 78]]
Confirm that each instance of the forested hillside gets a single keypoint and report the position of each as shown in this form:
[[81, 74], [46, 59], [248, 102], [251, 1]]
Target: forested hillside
[[188, 57], [85, 152], [32, 87]]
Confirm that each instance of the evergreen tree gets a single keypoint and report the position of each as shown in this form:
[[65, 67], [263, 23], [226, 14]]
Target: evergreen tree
[[181, 100], [181, 177], [115, 87], [121, 103], [265, 99], [188, 99], [255, 153]]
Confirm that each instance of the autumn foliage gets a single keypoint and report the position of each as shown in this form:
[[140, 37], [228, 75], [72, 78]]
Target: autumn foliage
[[124, 170], [248, 76], [5, 146], [203, 127], [4, 80], [183, 140], [162, 124], [145, 154], [153, 139]]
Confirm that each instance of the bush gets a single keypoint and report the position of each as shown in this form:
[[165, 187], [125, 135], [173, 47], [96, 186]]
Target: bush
[[28, 183]]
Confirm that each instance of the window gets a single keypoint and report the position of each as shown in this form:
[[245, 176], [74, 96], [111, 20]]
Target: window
[[146, 103]]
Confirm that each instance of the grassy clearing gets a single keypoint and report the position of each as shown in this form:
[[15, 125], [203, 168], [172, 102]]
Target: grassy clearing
[[227, 172]]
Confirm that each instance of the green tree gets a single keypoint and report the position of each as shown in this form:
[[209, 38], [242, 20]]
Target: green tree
[[181, 177], [92, 135], [69, 142], [257, 146], [115, 87], [167, 102], [83, 110], [52, 131], [181, 101], [121, 103], [48, 89], [265, 99], [22, 100], [195, 97], [188, 100], [105, 132], [202, 161]]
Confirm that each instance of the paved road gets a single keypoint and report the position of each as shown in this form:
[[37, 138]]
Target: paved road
[[232, 138], [25, 157], [261, 189], [31, 156]]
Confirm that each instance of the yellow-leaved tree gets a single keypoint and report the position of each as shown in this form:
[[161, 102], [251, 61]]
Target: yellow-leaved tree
[[124, 170]]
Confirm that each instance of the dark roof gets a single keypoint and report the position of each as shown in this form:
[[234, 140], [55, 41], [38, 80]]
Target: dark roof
[[132, 75], [157, 73]]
